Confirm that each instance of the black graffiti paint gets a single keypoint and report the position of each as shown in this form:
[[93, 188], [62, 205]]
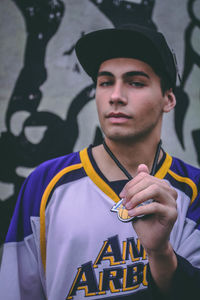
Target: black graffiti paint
[[42, 19], [120, 12], [191, 58]]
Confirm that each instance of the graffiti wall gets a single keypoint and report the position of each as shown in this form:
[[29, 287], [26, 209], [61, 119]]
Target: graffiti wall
[[47, 106]]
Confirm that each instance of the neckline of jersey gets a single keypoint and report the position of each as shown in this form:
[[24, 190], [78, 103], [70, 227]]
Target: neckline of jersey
[[95, 166], [117, 185]]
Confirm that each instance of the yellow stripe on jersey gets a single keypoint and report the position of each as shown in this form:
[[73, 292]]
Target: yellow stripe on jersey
[[105, 187], [95, 177], [188, 181], [44, 200], [165, 167]]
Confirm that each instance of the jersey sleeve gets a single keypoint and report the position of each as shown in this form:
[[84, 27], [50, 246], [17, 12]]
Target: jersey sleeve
[[22, 272], [185, 236], [185, 282], [20, 276]]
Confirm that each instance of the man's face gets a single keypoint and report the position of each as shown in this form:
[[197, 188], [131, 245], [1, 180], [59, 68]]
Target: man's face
[[129, 99]]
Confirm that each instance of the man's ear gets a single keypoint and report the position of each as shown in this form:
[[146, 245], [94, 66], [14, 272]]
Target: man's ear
[[170, 101]]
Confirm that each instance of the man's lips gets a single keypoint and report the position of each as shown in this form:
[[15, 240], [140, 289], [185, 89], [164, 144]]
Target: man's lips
[[118, 115]]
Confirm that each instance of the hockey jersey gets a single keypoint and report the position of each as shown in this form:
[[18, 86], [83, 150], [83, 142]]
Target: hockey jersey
[[64, 242]]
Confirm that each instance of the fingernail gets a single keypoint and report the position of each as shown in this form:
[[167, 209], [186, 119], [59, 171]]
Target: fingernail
[[128, 205]]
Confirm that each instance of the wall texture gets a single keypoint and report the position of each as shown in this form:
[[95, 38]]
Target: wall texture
[[47, 105]]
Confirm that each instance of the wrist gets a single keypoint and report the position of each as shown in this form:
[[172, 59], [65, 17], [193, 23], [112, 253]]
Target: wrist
[[163, 264], [164, 251]]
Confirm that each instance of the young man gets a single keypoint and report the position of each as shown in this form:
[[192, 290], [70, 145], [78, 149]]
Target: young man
[[120, 220]]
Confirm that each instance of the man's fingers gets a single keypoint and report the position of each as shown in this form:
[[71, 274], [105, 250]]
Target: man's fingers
[[142, 168], [149, 190], [166, 216]]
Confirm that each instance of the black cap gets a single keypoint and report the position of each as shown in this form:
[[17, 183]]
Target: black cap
[[131, 41]]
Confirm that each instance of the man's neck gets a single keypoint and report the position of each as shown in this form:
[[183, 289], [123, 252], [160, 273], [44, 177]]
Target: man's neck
[[130, 156]]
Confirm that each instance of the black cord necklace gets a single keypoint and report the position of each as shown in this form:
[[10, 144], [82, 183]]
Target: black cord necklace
[[121, 211], [128, 175]]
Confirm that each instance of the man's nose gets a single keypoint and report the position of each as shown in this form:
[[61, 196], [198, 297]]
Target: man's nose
[[118, 95]]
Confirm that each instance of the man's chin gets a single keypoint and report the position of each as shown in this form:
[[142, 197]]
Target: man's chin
[[121, 138], [126, 138]]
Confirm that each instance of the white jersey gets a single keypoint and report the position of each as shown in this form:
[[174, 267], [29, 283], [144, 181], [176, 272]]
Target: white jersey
[[64, 242]]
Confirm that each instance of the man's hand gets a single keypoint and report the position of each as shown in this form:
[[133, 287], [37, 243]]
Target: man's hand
[[154, 228], [159, 216]]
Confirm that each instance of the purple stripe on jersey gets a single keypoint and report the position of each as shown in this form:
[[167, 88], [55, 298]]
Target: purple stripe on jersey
[[182, 186], [185, 170], [193, 212], [66, 178], [28, 202]]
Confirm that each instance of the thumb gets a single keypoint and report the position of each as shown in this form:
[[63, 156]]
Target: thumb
[[143, 168]]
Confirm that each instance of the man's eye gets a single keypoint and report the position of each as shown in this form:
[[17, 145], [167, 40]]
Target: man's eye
[[136, 83], [105, 83]]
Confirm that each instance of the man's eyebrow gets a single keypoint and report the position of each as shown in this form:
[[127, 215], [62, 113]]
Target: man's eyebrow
[[127, 74], [136, 73], [105, 73]]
